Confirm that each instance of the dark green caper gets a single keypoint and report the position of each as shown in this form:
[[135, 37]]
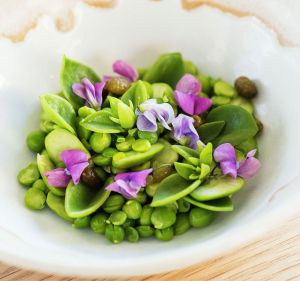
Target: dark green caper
[[245, 87], [98, 223], [146, 214], [145, 230], [163, 217], [113, 203], [133, 209], [117, 85], [114, 233], [199, 217], [165, 234], [182, 223], [117, 218], [131, 234], [83, 222]]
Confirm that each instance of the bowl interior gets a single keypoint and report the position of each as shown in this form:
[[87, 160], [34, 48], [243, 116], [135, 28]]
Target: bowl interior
[[221, 45]]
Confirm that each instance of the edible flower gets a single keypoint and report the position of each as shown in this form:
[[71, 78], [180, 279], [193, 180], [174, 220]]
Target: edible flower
[[75, 161], [187, 96], [129, 184], [247, 168], [184, 131], [90, 92], [150, 111], [124, 69]]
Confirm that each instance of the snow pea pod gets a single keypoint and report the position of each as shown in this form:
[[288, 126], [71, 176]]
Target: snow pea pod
[[129, 159], [218, 205]]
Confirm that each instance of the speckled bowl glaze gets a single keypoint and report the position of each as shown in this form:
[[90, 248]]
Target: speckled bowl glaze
[[137, 31]]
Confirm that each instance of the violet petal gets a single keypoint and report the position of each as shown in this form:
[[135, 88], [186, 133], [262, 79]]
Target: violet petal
[[125, 69], [138, 178], [76, 171], [249, 166], [98, 91], [146, 122], [189, 84], [229, 168], [79, 90], [201, 105], [58, 178]]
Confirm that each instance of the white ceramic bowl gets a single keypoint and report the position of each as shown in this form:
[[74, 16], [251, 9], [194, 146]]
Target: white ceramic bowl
[[137, 31]]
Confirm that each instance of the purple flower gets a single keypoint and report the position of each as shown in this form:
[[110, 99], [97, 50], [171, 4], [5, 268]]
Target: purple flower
[[247, 168], [90, 92], [151, 111], [129, 184], [76, 161], [125, 70], [187, 96], [184, 131]]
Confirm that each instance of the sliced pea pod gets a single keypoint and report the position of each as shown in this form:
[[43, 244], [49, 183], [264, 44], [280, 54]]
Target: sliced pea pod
[[219, 205], [216, 188], [44, 165], [184, 170], [57, 205], [186, 152], [82, 200], [130, 159], [173, 188], [59, 140], [210, 131]]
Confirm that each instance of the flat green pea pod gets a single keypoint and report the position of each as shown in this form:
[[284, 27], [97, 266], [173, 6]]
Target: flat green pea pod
[[36, 141], [130, 159], [186, 152], [83, 222], [125, 145], [113, 203], [39, 184], [182, 223], [209, 131], [146, 214], [133, 209], [59, 111], [165, 234], [164, 93], [44, 165], [168, 68], [117, 218], [199, 217], [190, 67], [60, 140], [145, 231], [29, 174], [172, 189], [183, 206], [141, 145], [82, 132], [57, 205], [141, 197], [220, 100], [205, 82], [98, 223], [218, 205], [185, 170], [152, 137], [100, 141], [73, 72], [166, 156], [222, 88], [35, 199], [114, 233], [131, 234], [163, 217], [217, 187]]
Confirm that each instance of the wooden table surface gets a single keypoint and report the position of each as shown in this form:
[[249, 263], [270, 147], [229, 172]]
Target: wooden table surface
[[276, 256]]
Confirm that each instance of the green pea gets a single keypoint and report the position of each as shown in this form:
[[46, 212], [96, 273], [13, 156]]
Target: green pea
[[109, 152], [145, 230], [222, 88], [146, 214], [114, 233], [36, 141], [163, 217], [165, 234], [100, 141], [117, 218], [141, 197], [126, 145], [129, 222], [142, 167], [199, 217], [220, 100], [151, 189], [82, 132], [85, 111], [182, 223], [113, 203], [133, 209], [190, 67], [35, 199], [152, 137], [83, 222], [131, 234], [205, 82], [29, 174], [183, 206], [101, 160], [39, 184], [98, 223], [141, 145]]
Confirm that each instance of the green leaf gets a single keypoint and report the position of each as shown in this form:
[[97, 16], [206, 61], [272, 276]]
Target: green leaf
[[206, 155], [82, 200], [173, 188], [205, 170], [73, 72], [184, 170], [168, 68], [247, 145], [101, 122], [209, 131], [239, 124], [216, 188], [219, 205], [57, 205], [59, 111], [45, 165], [59, 140]]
